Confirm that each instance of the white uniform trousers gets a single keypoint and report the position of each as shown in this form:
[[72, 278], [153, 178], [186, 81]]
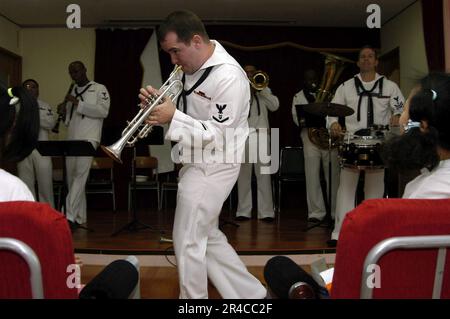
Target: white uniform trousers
[[313, 157], [201, 249], [77, 175], [263, 183], [373, 188], [38, 168]]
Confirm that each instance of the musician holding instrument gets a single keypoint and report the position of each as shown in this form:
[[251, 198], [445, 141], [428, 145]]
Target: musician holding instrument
[[35, 167], [261, 102], [213, 105], [375, 101], [314, 153], [84, 110]]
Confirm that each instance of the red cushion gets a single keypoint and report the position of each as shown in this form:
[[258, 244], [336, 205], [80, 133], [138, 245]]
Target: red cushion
[[404, 274], [46, 231]]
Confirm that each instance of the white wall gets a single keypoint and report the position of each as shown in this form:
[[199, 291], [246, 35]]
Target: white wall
[[406, 33], [10, 36], [47, 53]]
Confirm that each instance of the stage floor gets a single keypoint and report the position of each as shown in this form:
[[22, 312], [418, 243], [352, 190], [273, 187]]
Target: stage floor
[[253, 237]]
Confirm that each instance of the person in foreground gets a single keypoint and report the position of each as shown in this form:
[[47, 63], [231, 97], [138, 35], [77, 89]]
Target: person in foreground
[[213, 109], [19, 129], [425, 144]]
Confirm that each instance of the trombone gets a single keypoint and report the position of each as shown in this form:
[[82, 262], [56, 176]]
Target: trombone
[[133, 131], [259, 81]]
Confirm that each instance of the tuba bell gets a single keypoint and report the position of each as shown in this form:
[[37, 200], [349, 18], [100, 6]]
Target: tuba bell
[[334, 65], [136, 129]]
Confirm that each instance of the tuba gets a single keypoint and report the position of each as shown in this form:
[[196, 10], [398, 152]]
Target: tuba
[[259, 81], [334, 65], [136, 129]]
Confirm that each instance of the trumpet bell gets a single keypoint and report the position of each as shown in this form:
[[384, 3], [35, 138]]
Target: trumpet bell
[[113, 151]]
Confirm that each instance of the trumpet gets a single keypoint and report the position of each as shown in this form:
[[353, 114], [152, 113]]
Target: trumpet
[[259, 80], [136, 129]]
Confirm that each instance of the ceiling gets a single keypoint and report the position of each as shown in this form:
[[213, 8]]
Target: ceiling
[[327, 13]]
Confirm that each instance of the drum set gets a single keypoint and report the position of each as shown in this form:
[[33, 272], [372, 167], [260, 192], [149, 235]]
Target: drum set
[[360, 150]]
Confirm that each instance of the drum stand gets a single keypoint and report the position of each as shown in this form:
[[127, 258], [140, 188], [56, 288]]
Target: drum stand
[[327, 221]]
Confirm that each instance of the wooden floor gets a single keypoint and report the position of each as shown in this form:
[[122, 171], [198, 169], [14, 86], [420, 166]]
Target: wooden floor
[[254, 237], [289, 235]]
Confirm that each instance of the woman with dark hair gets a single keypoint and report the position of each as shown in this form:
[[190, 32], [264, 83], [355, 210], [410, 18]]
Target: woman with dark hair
[[426, 142], [19, 128]]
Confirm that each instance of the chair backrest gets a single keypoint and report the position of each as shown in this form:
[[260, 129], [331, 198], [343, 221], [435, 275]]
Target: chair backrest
[[47, 233], [292, 162], [400, 273], [102, 163], [102, 170], [147, 165]]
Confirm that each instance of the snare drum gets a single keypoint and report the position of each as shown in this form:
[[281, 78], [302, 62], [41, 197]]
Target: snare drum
[[361, 152]]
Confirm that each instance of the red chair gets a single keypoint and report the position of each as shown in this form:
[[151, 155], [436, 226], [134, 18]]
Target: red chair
[[404, 273], [47, 233], [37, 259]]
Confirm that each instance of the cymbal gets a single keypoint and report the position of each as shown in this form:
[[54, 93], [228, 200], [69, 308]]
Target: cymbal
[[328, 109]]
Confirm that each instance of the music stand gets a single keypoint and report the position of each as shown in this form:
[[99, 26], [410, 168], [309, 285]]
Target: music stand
[[63, 149], [156, 137]]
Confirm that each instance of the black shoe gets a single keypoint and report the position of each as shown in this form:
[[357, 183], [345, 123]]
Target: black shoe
[[268, 219], [73, 225], [242, 218], [332, 243], [314, 220]]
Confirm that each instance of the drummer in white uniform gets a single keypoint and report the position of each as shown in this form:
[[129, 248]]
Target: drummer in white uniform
[[86, 108], [213, 110], [375, 101], [38, 168]]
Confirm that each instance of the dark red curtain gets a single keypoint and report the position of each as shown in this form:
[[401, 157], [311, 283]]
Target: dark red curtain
[[118, 67], [433, 28]]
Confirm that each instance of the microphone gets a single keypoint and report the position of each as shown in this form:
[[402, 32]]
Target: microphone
[[118, 280], [287, 280]]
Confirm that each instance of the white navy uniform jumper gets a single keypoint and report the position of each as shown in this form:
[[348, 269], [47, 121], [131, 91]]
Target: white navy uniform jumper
[[431, 184], [221, 101], [313, 156], [13, 188], [261, 102], [85, 122], [38, 168], [387, 100]]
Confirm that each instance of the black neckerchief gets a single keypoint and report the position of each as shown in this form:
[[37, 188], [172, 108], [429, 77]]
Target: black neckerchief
[[257, 104], [361, 91], [185, 93], [79, 95]]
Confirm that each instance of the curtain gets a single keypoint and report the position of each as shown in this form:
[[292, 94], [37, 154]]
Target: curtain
[[118, 67], [447, 33], [433, 28]]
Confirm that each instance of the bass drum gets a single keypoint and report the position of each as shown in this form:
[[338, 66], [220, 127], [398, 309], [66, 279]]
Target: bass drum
[[361, 152]]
